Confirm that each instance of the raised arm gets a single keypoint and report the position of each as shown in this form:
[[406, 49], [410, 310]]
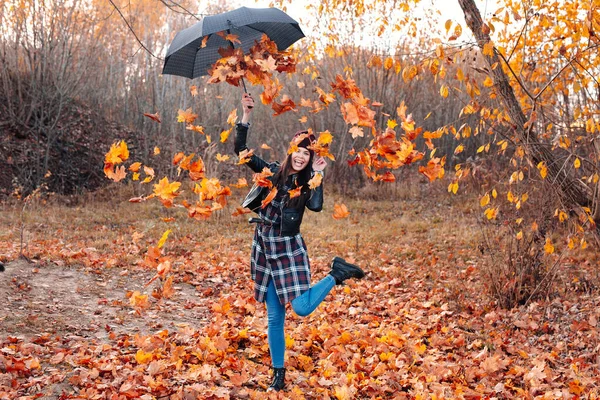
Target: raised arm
[[256, 163]]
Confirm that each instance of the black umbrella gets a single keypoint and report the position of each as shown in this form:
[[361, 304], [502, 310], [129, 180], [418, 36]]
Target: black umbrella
[[186, 56]]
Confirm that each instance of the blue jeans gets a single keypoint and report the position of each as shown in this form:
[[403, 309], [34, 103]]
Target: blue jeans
[[302, 305]]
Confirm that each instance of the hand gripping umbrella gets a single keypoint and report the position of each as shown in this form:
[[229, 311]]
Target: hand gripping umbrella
[[186, 56]]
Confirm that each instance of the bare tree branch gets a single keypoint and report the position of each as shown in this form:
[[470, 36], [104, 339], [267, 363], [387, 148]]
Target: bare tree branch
[[133, 32]]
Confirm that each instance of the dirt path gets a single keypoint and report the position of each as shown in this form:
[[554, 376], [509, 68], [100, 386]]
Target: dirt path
[[67, 301]]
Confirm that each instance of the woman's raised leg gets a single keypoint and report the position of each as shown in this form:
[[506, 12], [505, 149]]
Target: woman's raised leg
[[306, 303]]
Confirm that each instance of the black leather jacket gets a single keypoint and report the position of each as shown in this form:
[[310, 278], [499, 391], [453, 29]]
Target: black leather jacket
[[291, 218]]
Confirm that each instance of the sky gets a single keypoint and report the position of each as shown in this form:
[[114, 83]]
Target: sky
[[448, 9]]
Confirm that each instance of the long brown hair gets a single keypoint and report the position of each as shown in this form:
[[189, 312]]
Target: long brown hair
[[302, 179]]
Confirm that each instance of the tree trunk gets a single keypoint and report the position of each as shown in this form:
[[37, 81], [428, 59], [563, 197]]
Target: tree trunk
[[573, 192]]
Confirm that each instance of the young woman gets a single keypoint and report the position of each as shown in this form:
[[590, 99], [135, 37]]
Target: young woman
[[279, 262]]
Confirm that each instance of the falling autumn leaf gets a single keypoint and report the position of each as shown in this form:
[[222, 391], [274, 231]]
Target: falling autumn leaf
[[315, 181], [186, 116], [153, 117], [269, 197], [222, 158], [166, 190], [340, 211]]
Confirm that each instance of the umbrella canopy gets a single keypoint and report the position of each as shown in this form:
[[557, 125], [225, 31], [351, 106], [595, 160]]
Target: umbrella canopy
[[186, 57]]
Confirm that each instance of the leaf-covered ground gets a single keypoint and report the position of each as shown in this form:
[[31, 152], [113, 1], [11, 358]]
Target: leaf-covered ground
[[418, 326]]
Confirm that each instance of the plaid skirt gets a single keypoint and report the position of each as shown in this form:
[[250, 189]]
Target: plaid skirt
[[284, 259]]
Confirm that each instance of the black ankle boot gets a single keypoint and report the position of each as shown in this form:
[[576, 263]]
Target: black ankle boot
[[278, 380], [342, 270]]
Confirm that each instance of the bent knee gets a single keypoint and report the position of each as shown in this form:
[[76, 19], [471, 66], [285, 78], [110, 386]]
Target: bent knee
[[301, 310]]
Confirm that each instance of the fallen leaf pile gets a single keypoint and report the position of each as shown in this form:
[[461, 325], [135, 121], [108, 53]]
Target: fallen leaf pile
[[418, 325]]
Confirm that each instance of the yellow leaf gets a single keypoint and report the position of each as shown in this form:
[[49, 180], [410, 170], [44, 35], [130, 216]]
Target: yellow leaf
[[562, 216], [388, 63], [156, 151], [510, 197], [391, 123], [520, 235], [164, 237], [459, 149], [420, 348], [221, 158], [548, 247], [494, 193], [142, 357], [289, 342], [488, 82], [485, 200], [444, 91], [577, 163], [488, 49], [491, 213], [448, 25], [543, 170], [453, 187], [225, 135], [232, 118]]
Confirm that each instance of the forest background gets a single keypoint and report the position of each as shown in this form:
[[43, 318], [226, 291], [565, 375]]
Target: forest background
[[475, 140]]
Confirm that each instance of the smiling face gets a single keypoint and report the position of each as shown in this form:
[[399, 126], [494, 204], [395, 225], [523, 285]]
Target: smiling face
[[300, 159]]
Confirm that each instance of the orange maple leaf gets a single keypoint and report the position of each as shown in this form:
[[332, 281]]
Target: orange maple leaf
[[166, 190], [240, 183], [315, 181], [262, 178], [269, 198], [135, 167], [271, 91], [295, 192], [240, 211], [186, 116], [116, 175], [195, 128], [204, 40], [326, 98], [286, 105], [232, 38], [245, 156], [178, 157], [340, 211], [117, 154], [433, 170]]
